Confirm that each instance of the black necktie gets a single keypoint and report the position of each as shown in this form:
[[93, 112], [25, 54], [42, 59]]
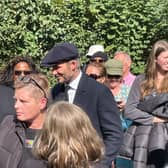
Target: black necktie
[[67, 87]]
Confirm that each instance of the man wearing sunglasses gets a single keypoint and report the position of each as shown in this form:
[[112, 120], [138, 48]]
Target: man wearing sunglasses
[[91, 96], [96, 54], [99, 57]]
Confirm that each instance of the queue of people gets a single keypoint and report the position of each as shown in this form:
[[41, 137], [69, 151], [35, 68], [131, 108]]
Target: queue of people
[[91, 118]]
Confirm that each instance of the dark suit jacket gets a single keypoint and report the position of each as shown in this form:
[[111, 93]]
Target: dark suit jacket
[[98, 102], [6, 101], [34, 164]]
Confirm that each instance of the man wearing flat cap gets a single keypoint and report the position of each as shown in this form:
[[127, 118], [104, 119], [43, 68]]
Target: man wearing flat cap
[[95, 98]]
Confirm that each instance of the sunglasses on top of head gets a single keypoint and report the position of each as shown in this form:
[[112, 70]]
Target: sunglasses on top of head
[[18, 72], [27, 80]]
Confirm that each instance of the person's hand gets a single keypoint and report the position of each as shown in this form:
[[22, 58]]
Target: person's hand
[[159, 120], [112, 164], [121, 105]]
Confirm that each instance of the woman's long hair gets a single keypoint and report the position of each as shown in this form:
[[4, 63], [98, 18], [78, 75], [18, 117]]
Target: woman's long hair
[[150, 82], [6, 74], [68, 139]]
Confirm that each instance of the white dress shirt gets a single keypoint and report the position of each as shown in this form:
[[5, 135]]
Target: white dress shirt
[[73, 87]]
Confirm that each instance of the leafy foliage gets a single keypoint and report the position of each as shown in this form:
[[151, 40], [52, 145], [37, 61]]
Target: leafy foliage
[[32, 27]]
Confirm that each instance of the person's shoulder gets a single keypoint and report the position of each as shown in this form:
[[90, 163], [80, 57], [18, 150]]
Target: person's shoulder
[[6, 91], [6, 87], [91, 82], [8, 122], [8, 119], [140, 77], [132, 75], [57, 88]]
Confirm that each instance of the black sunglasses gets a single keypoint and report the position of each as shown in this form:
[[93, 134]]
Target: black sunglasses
[[94, 76], [114, 76], [27, 80], [18, 72], [97, 60]]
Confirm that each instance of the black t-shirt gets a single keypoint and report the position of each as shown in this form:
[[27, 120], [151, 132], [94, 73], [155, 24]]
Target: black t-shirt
[[27, 148]]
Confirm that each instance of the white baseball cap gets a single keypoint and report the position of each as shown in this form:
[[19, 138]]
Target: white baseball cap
[[95, 48]]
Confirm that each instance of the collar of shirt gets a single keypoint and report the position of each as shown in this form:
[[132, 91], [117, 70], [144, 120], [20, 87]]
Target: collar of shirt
[[129, 79], [73, 87], [74, 83]]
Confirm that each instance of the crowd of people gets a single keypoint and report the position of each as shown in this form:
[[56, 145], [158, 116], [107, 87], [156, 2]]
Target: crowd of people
[[100, 115]]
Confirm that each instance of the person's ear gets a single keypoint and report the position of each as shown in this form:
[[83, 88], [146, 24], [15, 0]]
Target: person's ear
[[43, 103], [73, 64]]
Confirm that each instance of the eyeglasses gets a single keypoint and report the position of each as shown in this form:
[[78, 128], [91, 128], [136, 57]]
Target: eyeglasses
[[114, 76], [18, 72], [27, 80], [94, 76], [97, 60]]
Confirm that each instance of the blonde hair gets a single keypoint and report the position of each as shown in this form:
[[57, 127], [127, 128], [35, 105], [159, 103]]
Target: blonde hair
[[68, 139], [38, 79], [150, 82]]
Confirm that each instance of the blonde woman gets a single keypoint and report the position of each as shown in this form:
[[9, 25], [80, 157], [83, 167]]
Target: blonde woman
[[18, 131], [148, 134], [68, 139]]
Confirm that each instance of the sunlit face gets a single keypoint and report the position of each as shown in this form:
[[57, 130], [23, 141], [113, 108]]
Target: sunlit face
[[114, 81], [64, 71], [27, 106], [21, 68], [162, 61], [94, 72], [126, 63]]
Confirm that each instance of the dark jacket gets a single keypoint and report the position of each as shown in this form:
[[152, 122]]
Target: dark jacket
[[98, 102], [33, 163], [145, 141], [131, 110], [12, 141], [6, 101], [155, 104], [140, 141]]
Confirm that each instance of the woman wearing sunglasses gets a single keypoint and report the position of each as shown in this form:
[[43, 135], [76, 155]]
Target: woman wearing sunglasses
[[20, 65], [96, 71], [16, 67]]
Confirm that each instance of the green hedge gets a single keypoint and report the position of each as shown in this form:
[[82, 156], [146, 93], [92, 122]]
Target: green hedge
[[32, 27]]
